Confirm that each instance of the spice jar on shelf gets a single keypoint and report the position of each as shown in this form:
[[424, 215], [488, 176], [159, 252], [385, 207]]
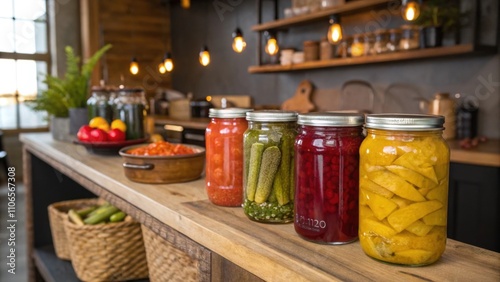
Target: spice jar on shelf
[[381, 41], [410, 37], [325, 50], [327, 159], [268, 172], [369, 41], [403, 180], [357, 46], [311, 51], [224, 151], [344, 47], [131, 107], [394, 37]]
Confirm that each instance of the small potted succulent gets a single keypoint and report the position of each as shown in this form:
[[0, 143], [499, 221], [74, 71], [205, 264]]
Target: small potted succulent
[[438, 17]]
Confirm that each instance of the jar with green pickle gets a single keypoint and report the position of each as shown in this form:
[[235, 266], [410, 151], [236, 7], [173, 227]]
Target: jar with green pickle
[[130, 106], [100, 104], [269, 168], [403, 196]]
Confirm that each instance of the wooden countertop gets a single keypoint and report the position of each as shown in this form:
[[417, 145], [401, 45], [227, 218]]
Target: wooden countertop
[[487, 154], [272, 252]]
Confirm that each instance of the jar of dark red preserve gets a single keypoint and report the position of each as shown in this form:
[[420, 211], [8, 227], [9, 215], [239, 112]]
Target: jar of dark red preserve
[[327, 177], [224, 151]]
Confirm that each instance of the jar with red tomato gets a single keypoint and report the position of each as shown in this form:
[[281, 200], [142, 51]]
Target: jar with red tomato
[[224, 151], [327, 177]]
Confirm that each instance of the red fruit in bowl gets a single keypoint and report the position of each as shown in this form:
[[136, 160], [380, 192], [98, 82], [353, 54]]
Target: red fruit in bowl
[[98, 135], [84, 133], [116, 135]]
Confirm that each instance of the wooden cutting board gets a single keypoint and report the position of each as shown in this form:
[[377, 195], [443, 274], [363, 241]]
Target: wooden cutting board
[[301, 101]]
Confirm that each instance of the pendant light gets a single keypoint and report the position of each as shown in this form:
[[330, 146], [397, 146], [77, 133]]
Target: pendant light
[[410, 10], [134, 66], [335, 30], [204, 56], [272, 46], [161, 68], [168, 63], [239, 43]]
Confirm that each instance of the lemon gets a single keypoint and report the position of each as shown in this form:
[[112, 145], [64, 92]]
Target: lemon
[[118, 124], [98, 121], [104, 126]]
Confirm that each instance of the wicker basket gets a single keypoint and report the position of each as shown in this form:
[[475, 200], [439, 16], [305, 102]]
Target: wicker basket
[[167, 263], [107, 252], [57, 215]]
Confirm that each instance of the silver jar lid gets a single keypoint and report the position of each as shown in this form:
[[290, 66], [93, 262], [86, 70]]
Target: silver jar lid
[[228, 112], [331, 119], [409, 122], [272, 116]]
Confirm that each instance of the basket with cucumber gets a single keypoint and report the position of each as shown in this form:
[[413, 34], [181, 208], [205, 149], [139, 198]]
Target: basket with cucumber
[[105, 244]]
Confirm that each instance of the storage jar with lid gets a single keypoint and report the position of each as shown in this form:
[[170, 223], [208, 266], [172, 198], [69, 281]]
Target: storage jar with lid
[[100, 104], [394, 38], [224, 151], [311, 51], [410, 37], [357, 46], [403, 181], [327, 176], [381, 41], [130, 106], [269, 172]]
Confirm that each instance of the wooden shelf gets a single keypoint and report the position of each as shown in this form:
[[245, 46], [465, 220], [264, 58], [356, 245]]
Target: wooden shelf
[[381, 58], [348, 7]]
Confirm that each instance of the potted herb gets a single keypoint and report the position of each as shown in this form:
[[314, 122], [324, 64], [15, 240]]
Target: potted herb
[[438, 17], [67, 97]]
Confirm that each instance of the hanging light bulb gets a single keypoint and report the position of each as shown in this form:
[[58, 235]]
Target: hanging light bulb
[[272, 47], [335, 30], [185, 4], [410, 10], [134, 66], [204, 56], [161, 68], [239, 43], [167, 62]]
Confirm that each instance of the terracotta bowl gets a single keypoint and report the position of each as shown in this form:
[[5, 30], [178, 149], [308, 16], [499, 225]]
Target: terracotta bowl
[[163, 169]]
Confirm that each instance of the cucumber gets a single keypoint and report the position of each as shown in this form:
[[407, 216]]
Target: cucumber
[[253, 169], [75, 218], [102, 216], [99, 209], [116, 217], [86, 211], [269, 166]]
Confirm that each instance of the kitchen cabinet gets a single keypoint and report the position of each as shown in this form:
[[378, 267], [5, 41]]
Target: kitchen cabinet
[[226, 245], [474, 205], [480, 36]]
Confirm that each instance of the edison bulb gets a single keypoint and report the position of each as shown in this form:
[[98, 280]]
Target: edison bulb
[[204, 57], [239, 44], [161, 68], [168, 64], [334, 33], [410, 11], [134, 67], [272, 47]]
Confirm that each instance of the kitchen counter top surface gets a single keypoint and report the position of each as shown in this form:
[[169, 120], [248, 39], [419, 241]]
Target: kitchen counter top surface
[[487, 153], [272, 252]]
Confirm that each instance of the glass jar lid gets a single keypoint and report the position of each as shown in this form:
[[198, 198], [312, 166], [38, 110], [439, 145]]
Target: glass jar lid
[[272, 115], [331, 119], [228, 113], [409, 122]]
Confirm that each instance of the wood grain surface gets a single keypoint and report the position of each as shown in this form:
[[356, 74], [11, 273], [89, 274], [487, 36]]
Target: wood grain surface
[[271, 252]]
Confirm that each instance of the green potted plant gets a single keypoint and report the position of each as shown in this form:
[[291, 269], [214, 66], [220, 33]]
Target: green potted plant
[[67, 97], [438, 17]]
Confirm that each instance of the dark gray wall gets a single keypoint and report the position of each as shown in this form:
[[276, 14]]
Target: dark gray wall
[[203, 23]]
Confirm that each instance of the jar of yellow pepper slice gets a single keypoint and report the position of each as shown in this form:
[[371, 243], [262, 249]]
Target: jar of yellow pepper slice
[[404, 164]]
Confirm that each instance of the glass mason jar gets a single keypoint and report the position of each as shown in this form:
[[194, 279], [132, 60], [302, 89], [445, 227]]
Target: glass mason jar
[[357, 46], [100, 104], [381, 41], [269, 172], [394, 38], [130, 106], [403, 180], [224, 151], [327, 176], [410, 37]]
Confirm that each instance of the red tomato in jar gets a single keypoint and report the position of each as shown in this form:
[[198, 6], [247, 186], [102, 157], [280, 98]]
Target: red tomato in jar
[[84, 133], [98, 135], [116, 135]]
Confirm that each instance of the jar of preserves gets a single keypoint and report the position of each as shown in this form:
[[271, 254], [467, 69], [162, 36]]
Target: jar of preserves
[[100, 104], [269, 172], [403, 179], [224, 151], [130, 106], [327, 161]]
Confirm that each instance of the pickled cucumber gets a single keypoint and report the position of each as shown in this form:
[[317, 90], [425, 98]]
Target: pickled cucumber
[[271, 158], [253, 169]]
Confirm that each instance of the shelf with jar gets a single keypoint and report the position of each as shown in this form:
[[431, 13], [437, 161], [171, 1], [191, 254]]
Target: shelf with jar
[[406, 42]]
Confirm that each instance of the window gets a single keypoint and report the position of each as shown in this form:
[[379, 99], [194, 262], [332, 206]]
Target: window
[[24, 61]]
